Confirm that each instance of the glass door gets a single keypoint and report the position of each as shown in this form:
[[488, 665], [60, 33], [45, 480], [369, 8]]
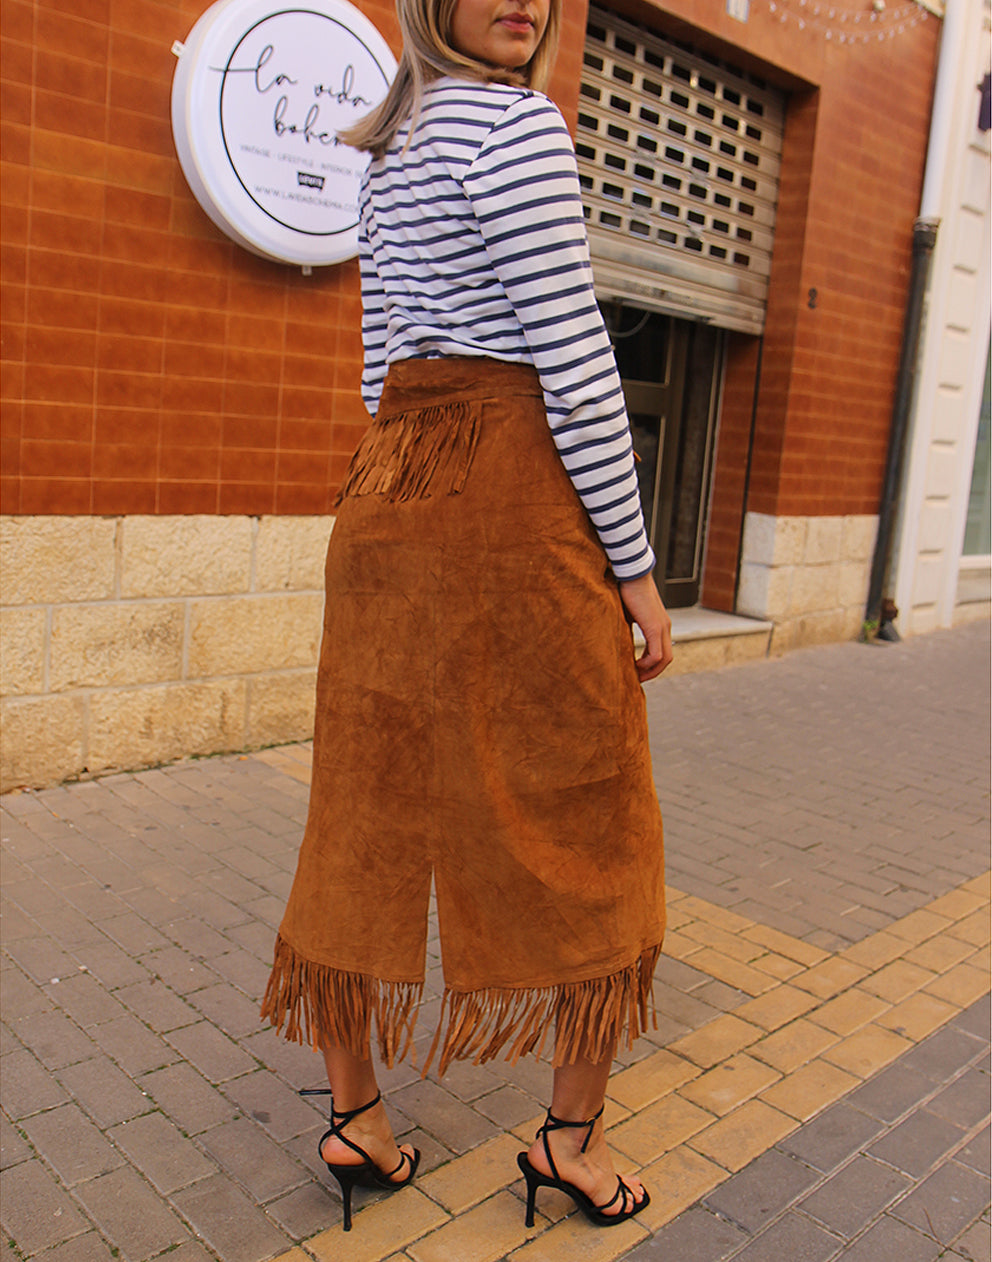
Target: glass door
[[670, 370]]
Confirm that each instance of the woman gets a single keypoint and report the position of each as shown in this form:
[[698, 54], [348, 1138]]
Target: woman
[[479, 711]]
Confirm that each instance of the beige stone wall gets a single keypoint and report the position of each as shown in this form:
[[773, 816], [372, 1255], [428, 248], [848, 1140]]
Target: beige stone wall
[[135, 640], [807, 575]]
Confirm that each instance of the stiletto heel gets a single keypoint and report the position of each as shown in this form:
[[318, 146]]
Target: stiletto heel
[[596, 1214], [366, 1173]]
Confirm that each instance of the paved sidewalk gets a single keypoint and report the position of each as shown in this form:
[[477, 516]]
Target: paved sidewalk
[[817, 1086]]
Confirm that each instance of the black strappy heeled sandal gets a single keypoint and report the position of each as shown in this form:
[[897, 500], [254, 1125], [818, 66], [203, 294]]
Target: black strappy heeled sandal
[[596, 1214], [368, 1173]]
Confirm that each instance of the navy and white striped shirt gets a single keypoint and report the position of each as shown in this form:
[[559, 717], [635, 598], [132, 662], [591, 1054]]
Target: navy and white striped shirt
[[472, 242]]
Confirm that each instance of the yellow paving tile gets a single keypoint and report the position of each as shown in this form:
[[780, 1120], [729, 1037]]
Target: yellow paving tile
[[793, 1045], [829, 978], [732, 944], [918, 1016], [381, 1229], [957, 904], [810, 1089], [729, 920], [940, 953], [785, 944], [293, 1255], [679, 947], [850, 1011], [716, 1040], [777, 1008], [732, 972], [658, 1129], [574, 1240], [975, 929], [729, 1084], [477, 1175], [981, 959], [743, 1135], [876, 950], [960, 985], [777, 966], [650, 1079], [867, 1051], [981, 885], [919, 925], [484, 1234], [675, 1182], [897, 980]]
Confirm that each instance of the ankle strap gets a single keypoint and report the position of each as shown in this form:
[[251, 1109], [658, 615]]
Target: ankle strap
[[339, 1118], [552, 1123]]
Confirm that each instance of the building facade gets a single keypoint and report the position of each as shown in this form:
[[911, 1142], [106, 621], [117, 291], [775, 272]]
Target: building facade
[[178, 413]]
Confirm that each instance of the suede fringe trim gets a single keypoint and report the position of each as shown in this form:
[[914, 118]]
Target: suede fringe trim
[[321, 1005], [589, 1017], [415, 455]]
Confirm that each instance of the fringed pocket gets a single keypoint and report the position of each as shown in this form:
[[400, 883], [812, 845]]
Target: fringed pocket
[[414, 455], [590, 1018], [321, 1005]]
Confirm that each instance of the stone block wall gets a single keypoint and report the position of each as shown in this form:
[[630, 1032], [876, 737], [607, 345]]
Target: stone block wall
[[807, 575], [128, 641]]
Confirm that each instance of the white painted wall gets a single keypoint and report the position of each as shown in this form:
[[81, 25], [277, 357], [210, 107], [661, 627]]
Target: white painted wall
[[954, 345]]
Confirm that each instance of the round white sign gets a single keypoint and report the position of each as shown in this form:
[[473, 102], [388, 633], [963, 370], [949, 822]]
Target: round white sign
[[258, 97]]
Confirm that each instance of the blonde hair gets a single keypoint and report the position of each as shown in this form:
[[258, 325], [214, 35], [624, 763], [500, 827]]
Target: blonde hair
[[428, 54]]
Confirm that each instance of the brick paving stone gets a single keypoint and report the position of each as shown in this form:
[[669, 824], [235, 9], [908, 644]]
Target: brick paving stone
[[944, 1053], [35, 1211], [915, 1144], [54, 1039], [890, 1093], [131, 1215], [132, 1046], [830, 1138], [695, 1234], [977, 1153], [304, 1212], [793, 1238], [855, 1196], [945, 1202], [157, 1006], [216, 1056], [71, 1144], [458, 1127], [13, 1148], [262, 1168], [161, 1153], [107, 1094], [185, 1097], [88, 1248], [25, 1085], [975, 1244], [764, 1188]]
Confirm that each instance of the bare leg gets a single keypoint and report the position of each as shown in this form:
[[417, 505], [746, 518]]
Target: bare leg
[[578, 1093], [352, 1081]]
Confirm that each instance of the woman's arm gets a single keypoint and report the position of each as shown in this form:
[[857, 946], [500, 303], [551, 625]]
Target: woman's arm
[[524, 190]]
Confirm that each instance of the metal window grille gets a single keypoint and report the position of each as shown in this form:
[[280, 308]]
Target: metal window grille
[[679, 156]]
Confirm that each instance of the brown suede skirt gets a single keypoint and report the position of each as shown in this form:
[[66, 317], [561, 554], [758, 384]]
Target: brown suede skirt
[[479, 720]]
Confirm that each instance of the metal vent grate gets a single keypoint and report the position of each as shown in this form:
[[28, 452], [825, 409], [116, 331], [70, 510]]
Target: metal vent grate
[[679, 157]]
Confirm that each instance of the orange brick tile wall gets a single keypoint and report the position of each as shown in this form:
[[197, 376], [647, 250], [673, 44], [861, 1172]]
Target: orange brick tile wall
[[150, 365]]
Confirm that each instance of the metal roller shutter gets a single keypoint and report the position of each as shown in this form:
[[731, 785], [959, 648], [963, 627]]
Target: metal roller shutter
[[679, 157]]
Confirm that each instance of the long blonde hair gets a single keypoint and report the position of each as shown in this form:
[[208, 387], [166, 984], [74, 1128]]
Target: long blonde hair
[[427, 55]]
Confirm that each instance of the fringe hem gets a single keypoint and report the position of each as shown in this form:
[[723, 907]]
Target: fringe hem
[[590, 1018], [321, 1005], [415, 455]]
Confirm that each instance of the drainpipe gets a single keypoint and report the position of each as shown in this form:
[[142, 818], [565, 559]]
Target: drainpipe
[[880, 608], [882, 611]]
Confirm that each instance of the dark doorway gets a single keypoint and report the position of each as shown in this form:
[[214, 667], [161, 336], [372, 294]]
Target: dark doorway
[[671, 371]]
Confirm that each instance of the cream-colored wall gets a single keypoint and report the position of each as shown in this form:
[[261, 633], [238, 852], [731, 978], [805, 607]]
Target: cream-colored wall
[[130, 641], [933, 586], [807, 575]]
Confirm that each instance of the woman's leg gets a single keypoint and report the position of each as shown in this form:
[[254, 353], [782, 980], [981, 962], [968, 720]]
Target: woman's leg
[[352, 1081], [578, 1093]]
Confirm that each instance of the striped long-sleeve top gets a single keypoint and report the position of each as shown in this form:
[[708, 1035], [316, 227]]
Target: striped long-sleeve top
[[472, 242]]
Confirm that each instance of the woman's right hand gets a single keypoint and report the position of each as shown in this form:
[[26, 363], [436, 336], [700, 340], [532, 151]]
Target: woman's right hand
[[643, 603]]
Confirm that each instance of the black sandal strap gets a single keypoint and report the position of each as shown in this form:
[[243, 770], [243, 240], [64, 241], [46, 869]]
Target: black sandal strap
[[552, 1123], [339, 1120]]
